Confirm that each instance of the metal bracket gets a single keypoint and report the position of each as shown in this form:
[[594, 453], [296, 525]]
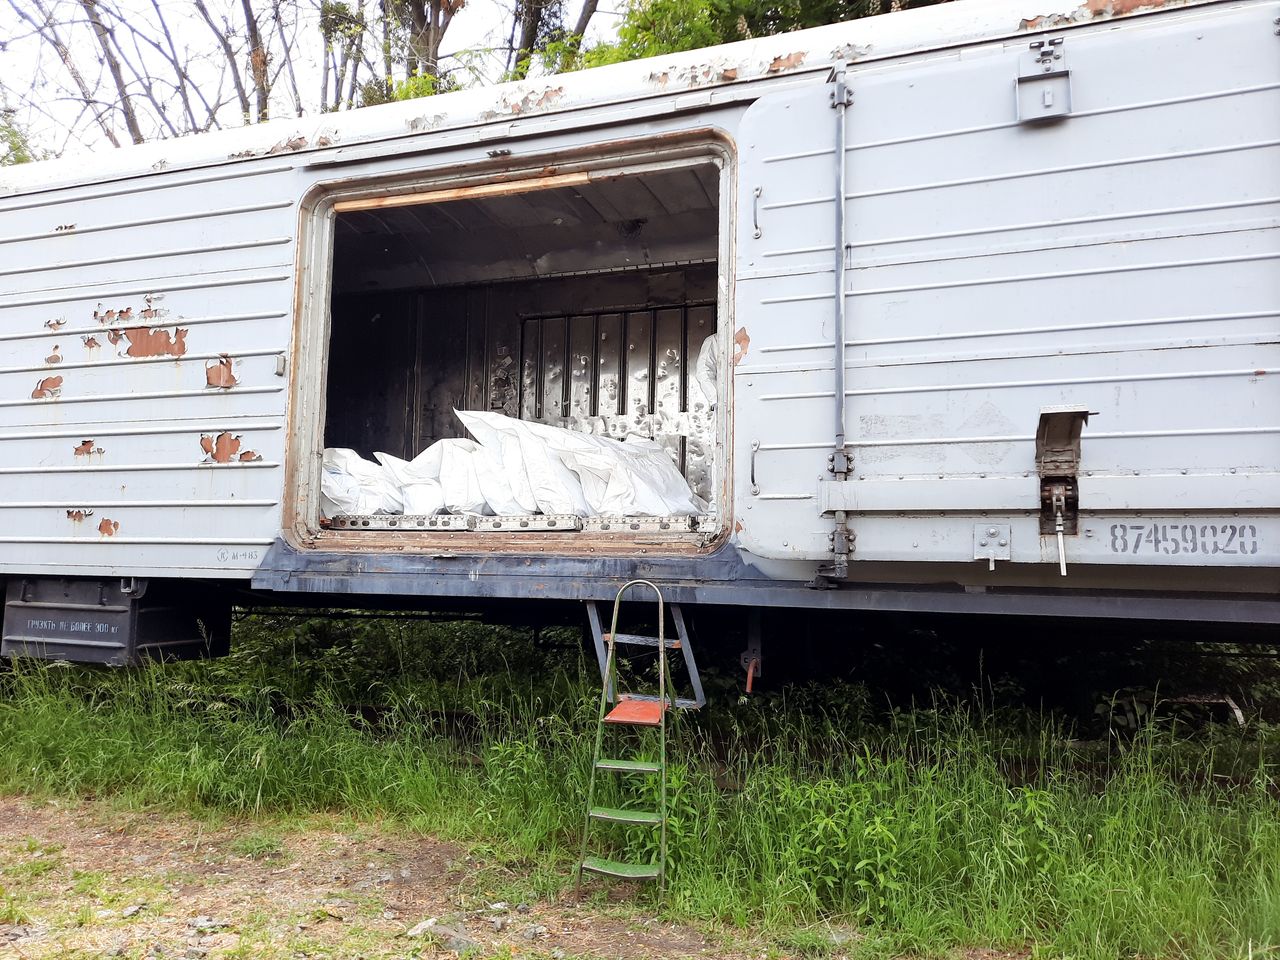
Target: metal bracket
[[1044, 82], [991, 542], [752, 658], [134, 587], [1058, 441], [1057, 464]]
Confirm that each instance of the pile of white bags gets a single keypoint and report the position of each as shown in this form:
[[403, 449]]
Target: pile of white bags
[[514, 468]]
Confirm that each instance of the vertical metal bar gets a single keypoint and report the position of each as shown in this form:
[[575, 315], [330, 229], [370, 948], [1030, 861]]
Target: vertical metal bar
[[597, 639], [841, 94], [686, 648], [666, 699], [595, 754]]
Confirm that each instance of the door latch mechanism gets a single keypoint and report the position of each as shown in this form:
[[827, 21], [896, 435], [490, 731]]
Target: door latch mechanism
[[1058, 465]]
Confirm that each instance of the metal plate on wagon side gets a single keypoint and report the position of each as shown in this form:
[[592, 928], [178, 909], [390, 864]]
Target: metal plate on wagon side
[[388, 521], [638, 524], [530, 523]]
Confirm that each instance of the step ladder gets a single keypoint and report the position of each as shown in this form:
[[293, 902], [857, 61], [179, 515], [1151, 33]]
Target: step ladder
[[634, 710]]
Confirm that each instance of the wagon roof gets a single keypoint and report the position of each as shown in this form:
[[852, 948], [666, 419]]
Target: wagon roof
[[711, 68]]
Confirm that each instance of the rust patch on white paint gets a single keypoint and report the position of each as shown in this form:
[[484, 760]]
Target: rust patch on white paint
[[55, 357], [85, 448], [91, 342], [56, 322], [108, 527], [112, 315], [788, 62], [225, 448], [218, 373], [741, 341], [151, 341], [47, 388], [78, 515]]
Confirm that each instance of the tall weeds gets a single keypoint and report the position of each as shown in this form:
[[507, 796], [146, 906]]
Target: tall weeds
[[928, 828]]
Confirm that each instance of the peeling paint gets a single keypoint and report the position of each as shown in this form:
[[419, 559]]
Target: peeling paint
[[1052, 21], [64, 228], [549, 96], [91, 342], [1092, 9], [741, 341], [737, 526], [851, 51], [112, 316], [85, 448], [151, 341], [288, 146], [702, 75], [218, 373], [225, 448], [149, 312], [418, 124], [789, 62], [56, 323], [79, 515], [55, 357], [47, 388], [108, 527]]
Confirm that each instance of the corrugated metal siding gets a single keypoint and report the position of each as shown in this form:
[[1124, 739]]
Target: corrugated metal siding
[[1124, 258], [123, 309]]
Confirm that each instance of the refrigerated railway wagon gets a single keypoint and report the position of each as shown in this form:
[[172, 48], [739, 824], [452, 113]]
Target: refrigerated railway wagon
[[970, 308]]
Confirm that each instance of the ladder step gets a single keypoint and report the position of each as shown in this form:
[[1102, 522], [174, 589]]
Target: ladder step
[[637, 712], [625, 871], [636, 640], [681, 702], [646, 817], [629, 766]]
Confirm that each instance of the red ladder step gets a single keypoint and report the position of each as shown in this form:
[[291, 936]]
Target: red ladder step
[[640, 713]]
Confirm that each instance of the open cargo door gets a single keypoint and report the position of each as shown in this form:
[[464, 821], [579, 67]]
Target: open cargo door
[[1062, 295]]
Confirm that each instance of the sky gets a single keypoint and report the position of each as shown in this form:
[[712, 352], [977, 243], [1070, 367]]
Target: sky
[[42, 98]]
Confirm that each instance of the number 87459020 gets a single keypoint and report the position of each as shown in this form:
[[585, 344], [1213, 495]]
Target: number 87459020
[[1172, 539]]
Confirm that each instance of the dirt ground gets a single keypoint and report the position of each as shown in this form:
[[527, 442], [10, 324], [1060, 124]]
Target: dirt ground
[[87, 879]]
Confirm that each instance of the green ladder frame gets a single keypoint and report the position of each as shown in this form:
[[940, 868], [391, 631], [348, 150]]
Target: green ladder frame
[[649, 711]]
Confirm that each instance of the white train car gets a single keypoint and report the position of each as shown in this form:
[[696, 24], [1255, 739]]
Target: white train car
[[966, 308]]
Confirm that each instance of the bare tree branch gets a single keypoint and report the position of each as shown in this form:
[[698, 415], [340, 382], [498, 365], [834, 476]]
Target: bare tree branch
[[103, 34], [584, 18], [288, 56], [183, 80], [257, 62], [49, 33], [230, 54]]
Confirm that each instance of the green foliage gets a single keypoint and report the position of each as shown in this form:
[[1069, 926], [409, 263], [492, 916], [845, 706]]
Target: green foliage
[[340, 21], [650, 28], [653, 27], [926, 830], [423, 85], [15, 145]]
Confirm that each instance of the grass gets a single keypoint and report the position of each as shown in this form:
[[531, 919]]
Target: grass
[[921, 830], [257, 845]]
